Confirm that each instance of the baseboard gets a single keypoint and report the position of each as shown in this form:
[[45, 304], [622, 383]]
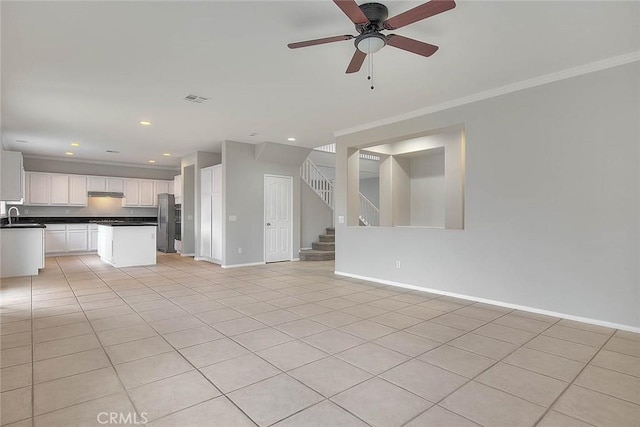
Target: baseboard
[[295, 259], [60, 254], [493, 302], [305, 249], [250, 264], [189, 254]]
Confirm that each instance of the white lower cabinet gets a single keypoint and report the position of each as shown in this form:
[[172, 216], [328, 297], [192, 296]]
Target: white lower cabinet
[[61, 238], [77, 238], [55, 238], [93, 237], [22, 252]]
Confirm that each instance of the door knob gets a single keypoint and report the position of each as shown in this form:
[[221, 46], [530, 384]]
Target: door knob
[[268, 224]]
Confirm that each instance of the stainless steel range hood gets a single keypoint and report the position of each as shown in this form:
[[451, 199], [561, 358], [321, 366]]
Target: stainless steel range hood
[[112, 194]]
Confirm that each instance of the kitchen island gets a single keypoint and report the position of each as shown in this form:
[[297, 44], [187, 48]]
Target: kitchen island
[[127, 244]]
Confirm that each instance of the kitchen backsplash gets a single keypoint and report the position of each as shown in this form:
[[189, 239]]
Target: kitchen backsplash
[[97, 206]]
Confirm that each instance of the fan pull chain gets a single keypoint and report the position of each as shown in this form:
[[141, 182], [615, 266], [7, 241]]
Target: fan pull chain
[[370, 76]]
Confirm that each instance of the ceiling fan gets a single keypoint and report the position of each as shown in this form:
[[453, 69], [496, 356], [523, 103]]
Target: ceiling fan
[[371, 18]]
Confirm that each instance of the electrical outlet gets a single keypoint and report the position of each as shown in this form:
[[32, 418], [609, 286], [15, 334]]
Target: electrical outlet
[[397, 264], [239, 250], [26, 211]]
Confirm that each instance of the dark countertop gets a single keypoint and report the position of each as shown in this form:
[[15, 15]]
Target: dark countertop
[[77, 219], [128, 224], [21, 226]]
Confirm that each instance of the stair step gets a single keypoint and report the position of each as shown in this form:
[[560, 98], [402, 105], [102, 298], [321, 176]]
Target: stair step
[[323, 246], [314, 255], [327, 237], [330, 230]]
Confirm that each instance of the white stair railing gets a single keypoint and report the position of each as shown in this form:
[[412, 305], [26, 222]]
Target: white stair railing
[[369, 214], [323, 187], [319, 183]]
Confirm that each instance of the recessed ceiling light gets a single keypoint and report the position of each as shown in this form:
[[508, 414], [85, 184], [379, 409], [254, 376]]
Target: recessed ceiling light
[[145, 123], [113, 151], [166, 154], [69, 153], [291, 139], [75, 144], [152, 161]]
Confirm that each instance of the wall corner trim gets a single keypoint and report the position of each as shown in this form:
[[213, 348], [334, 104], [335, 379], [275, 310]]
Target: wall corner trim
[[493, 302], [592, 67]]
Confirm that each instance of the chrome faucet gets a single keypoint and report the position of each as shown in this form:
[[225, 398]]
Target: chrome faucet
[[9, 213]]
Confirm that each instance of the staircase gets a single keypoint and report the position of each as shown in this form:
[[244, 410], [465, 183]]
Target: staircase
[[322, 250]]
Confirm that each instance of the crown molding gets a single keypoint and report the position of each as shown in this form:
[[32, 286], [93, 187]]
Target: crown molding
[[502, 90], [99, 162]]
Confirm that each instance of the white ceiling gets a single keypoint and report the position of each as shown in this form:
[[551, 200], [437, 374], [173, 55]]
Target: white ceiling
[[90, 71]]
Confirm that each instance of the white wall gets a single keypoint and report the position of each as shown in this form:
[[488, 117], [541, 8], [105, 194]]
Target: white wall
[[427, 190], [243, 180], [552, 195], [100, 169], [315, 216], [190, 170]]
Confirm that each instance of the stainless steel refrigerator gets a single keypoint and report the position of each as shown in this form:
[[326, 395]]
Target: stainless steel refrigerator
[[166, 223]]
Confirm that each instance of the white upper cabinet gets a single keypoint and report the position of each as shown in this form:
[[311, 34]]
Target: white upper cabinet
[[59, 190], [177, 188], [131, 192], [115, 185], [105, 183], [147, 193], [38, 189], [96, 183], [52, 189], [78, 190], [163, 187], [12, 176]]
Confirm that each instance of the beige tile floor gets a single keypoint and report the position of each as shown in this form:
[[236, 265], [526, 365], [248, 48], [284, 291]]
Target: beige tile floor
[[187, 343]]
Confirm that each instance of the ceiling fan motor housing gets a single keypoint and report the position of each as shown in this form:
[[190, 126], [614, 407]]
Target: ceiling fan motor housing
[[376, 13]]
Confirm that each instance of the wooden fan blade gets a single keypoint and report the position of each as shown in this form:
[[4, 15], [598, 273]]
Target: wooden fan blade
[[418, 13], [319, 41], [353, 11], [356, 61], [411, 45]]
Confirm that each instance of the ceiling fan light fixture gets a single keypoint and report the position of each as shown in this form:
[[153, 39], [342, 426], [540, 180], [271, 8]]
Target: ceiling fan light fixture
[[370, 43]]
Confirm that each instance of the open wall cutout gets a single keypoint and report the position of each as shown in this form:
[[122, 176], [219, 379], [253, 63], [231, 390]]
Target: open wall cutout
[[421, 182]]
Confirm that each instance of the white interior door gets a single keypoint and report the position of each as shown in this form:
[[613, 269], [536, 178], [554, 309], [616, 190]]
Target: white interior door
[[278, 215]]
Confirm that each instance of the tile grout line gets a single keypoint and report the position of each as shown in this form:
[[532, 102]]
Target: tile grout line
[[183, 357], [574, 380], [484, 370], [101, 345], [265, 379], [186, 286]]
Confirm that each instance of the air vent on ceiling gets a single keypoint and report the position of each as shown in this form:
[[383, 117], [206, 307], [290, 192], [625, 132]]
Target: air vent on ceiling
[[113, 151], [195, 98]]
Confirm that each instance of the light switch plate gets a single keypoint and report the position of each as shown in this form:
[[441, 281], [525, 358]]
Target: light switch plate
[[233, 218], [340, 219]]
